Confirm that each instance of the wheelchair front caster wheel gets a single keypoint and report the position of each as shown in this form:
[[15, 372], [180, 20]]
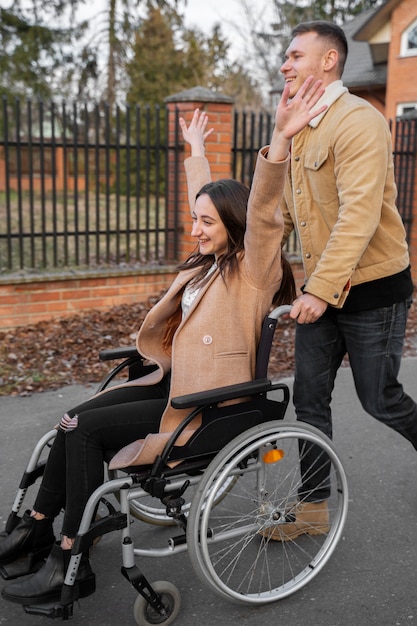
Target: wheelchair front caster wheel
[[146, 615]]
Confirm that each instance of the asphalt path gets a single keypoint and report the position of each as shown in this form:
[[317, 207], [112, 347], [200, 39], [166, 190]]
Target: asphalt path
[[370, 579]]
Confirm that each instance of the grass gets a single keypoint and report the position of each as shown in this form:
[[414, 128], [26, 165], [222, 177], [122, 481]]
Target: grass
[[43, 231]]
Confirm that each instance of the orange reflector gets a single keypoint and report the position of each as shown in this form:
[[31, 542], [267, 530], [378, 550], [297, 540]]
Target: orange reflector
[[272, 456]]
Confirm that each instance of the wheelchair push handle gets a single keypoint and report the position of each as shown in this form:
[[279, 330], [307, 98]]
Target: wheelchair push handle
[[280, 311]]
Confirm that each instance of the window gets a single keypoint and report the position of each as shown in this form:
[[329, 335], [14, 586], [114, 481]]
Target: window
[[407, 109], [409, 40]]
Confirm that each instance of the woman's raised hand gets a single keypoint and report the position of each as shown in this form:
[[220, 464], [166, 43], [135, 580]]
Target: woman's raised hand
[[196, 134]]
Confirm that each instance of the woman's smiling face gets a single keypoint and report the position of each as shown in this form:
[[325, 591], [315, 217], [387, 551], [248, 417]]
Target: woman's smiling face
[[208, 228]]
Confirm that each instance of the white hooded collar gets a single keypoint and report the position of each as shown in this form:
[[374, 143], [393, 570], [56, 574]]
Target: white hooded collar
[[332, 93]]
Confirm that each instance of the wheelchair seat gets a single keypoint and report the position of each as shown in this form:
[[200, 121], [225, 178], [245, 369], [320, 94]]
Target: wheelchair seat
[[219, 424]]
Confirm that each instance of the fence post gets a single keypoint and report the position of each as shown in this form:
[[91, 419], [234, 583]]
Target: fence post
[[218, 151], [413, 227], [412, 239]]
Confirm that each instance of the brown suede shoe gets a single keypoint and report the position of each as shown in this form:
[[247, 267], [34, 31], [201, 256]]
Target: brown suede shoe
[[308, 518]]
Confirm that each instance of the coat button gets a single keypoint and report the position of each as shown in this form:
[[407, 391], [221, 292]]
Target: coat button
[[207, 339], [335, 296], [308, 255]]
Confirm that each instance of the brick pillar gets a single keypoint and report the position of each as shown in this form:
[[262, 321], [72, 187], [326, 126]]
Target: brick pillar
[[218, 151]]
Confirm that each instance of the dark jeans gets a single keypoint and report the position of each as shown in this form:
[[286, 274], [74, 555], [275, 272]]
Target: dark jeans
[[374, 341], [107, 422]]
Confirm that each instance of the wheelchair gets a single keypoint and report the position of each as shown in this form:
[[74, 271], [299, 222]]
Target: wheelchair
[[238, 475]]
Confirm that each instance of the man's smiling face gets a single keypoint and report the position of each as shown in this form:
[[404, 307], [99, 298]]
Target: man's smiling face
[[305, 56]]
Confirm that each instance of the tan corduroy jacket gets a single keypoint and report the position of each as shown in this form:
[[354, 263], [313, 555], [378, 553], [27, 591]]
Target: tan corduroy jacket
[[340, 198], [215, 345]]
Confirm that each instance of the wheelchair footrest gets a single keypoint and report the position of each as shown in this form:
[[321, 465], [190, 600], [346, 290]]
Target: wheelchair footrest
[[54, 611]]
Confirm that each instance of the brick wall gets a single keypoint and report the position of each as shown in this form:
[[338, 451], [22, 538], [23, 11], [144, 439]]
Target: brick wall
[[29, 301], [402, 70]]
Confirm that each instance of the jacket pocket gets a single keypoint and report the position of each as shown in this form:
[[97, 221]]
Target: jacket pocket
[[230, 354], [315, 158], [320, 182]]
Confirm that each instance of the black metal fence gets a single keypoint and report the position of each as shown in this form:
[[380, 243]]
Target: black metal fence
[[405, 155], [81, 187]]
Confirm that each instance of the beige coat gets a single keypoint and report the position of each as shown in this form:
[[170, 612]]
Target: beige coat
[[215, 345], [340, 198]]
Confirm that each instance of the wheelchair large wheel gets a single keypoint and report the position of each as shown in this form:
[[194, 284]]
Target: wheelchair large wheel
[[231, 546], [150, 510]]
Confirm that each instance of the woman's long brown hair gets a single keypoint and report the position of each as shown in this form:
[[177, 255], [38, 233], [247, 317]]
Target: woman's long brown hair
[[230, 197]]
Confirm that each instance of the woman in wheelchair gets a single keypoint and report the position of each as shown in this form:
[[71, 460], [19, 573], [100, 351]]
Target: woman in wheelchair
[[201, 335]]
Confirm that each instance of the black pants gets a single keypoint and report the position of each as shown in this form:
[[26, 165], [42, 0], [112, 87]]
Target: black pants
[[106, 423]]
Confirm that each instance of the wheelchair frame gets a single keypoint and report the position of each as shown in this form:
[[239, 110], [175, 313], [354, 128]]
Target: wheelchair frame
[[242, 488]]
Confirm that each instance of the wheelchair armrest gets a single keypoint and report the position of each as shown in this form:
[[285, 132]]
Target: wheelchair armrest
[[252, 387], [118, 353]]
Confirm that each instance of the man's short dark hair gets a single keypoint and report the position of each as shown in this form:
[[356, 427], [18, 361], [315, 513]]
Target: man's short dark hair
[[329, 31]]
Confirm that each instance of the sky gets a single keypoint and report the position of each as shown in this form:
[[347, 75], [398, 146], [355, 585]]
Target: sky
[[205, 13], [231, 16], [200, 13]]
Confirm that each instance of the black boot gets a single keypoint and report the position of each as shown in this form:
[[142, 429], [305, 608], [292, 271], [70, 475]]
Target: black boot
[[28, 564], [29, 535], [46, 585]]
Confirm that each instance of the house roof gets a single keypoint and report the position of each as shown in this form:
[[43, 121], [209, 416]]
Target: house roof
[[360, 69], [376, 20]]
